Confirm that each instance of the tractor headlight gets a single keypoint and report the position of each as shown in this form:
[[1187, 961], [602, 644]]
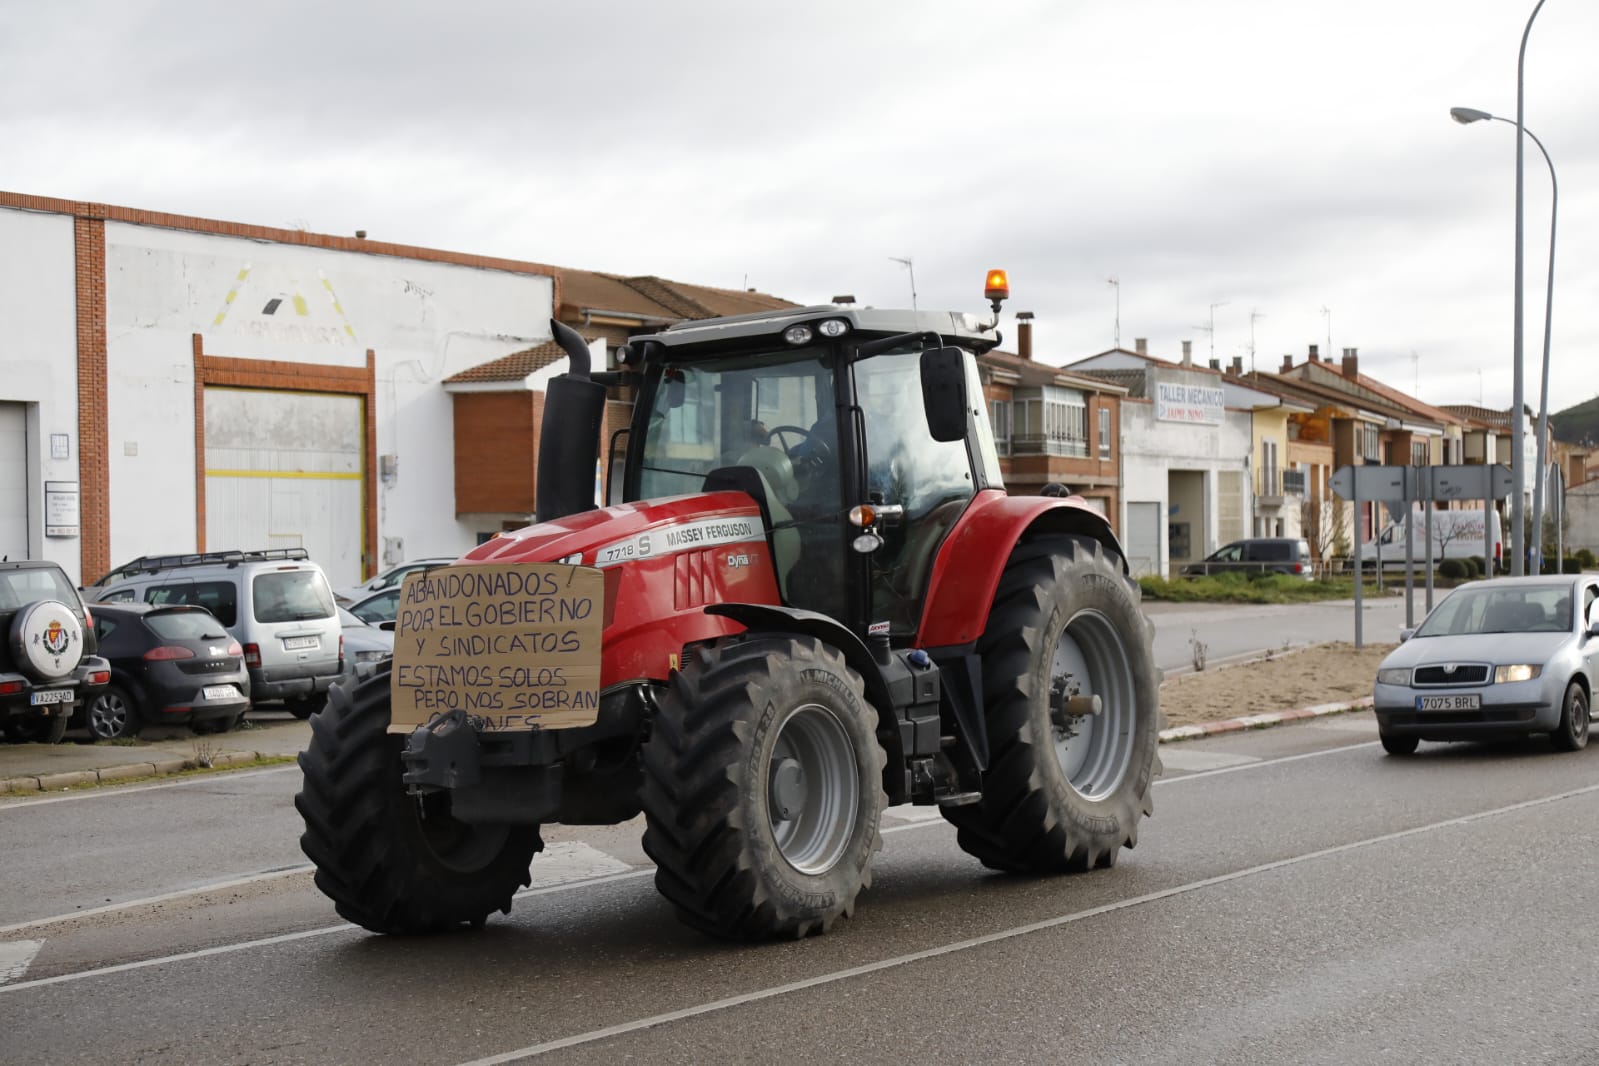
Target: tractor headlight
[[1399, 675], [832, 327], [1520, 672], [797, 335]]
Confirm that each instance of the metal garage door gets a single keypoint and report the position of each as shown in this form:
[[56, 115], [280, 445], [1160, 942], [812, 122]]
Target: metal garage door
[[14, 480], [1143, 537], [283, 470]]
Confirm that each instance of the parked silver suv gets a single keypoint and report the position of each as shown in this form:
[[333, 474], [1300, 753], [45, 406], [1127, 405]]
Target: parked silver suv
[[276, 603]]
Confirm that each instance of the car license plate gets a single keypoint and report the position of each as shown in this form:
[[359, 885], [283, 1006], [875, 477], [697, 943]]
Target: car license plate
[[1449, 703], [219, 692], [54, 695], [299, 643]]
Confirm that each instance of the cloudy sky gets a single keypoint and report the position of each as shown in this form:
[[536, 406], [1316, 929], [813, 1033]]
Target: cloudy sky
[[1290, 161]]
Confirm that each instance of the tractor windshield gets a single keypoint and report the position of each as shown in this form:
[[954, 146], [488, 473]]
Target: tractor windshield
[[774, 412]]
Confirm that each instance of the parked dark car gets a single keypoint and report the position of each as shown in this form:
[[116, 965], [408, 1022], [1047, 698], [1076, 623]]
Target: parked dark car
[[1273, 555], [170, 663], [378, 608], [48, 663]]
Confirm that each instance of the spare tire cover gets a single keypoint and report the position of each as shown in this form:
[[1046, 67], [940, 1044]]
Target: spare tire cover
[[47, 640]]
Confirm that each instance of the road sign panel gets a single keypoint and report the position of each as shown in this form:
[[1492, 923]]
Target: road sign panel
[[1387, 483]]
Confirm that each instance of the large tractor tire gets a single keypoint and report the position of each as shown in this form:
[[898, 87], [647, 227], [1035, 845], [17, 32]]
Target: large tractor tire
[[1064, 793], [391, 862], [763, 789]]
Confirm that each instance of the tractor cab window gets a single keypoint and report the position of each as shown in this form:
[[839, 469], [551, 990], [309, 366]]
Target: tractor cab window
[[773, 412], [931, 480]]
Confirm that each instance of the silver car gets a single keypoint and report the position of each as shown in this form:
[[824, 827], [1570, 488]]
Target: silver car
[[1495, 658]]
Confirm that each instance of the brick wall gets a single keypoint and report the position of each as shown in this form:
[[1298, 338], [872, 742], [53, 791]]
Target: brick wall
[[94, 477]]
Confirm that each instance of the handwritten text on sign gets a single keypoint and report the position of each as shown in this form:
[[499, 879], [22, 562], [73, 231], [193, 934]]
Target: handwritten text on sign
[[517, 645]]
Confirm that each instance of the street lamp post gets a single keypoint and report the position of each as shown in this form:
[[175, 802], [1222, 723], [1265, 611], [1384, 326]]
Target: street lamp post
[[1465, 116]]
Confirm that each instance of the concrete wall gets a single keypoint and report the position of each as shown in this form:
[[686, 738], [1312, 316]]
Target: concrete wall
[[38, 358], [262, 300]]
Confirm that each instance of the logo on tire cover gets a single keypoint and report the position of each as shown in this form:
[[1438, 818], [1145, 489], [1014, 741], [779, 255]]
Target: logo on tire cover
[[56, 638]]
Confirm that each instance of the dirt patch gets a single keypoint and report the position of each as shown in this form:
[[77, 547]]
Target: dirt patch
[[1325, 673]]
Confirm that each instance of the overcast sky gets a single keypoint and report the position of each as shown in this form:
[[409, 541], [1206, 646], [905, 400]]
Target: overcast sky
[[1290, 159]]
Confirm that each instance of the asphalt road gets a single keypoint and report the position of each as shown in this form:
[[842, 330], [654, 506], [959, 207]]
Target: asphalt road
[[1232, 631], [1298, 897]]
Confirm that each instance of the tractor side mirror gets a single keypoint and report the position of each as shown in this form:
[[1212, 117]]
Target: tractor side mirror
[[944, 393]]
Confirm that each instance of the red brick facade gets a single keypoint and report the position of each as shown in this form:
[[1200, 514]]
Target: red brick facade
[[94, 473]]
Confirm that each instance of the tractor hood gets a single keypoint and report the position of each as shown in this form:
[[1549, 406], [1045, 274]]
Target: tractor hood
[[630, 532]]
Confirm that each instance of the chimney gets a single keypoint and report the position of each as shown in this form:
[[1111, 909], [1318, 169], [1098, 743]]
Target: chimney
[[1288, 364], [1351, 364], [1141, 345], [1237, 369], [1215, 364], [1024, 334], [1188, 353], [1313, 355]]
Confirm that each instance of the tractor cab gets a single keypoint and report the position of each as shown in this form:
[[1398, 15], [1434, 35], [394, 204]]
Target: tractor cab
[[856, 430]]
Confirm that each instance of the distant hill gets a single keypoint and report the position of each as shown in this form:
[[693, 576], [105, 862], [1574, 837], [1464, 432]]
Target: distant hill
[[1579, 424]]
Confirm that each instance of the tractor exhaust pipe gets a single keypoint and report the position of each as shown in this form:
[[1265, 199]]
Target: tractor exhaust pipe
[[569, 440]]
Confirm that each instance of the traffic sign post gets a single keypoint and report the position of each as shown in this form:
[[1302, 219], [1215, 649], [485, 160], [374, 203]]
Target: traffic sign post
[[1409, 485]]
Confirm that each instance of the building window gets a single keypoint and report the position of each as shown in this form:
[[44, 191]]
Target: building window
[[1049, 421], [1104, 432], [1368, 442], [1419, 453], [1270, 476], [999, 417]]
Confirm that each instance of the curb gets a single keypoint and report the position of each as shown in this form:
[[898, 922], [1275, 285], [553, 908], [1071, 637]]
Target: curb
[[110, 775], [1260, 721]]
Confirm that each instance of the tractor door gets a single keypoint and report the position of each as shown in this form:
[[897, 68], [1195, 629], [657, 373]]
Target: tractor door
[[932, 480]]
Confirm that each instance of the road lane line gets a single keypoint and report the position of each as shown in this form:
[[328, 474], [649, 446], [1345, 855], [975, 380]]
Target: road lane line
[[656, 1020], [112, 791], [109, 908], [536, 890]]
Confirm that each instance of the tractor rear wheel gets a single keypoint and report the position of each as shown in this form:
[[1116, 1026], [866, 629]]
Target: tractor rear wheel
[[392, 862], [1064, 793], [763, 789]]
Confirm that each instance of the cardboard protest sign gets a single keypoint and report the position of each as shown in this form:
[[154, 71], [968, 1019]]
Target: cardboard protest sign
[[517, 645]]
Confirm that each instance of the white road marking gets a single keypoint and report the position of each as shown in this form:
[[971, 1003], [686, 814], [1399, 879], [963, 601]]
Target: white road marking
[[572, 860], [15, 956], [1195, 759], [113, 792], [897, 961], [630, 874], [109, 908]]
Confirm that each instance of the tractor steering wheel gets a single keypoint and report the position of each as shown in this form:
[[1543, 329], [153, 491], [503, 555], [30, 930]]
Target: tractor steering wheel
[[810, 456]]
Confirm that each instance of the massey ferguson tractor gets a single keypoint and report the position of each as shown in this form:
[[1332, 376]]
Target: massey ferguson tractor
[[810, 598]]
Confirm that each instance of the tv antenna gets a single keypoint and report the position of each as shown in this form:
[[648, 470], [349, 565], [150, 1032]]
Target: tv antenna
[[1327, 314], [1254, 316], [909, 265], [1116, 284], [1211, 329]]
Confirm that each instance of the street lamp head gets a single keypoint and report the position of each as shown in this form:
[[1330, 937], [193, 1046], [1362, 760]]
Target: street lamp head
[[1468, 115]]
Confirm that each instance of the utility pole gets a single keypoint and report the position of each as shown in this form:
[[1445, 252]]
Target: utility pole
[[1117, 285], [909, 265]]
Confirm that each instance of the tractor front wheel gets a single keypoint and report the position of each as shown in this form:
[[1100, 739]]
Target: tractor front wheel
[[763, 789], [392, 862], [1064, 791]]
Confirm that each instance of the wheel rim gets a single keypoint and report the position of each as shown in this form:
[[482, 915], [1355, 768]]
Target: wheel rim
[[1096, 752], [1579, 717], [108, 716], [813, 789]]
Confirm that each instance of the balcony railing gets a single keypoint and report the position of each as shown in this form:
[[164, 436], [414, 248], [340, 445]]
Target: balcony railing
[[1269, 482], [1042, 444]]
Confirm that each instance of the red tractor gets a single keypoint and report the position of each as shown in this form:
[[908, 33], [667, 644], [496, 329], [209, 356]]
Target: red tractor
[[818, 601]]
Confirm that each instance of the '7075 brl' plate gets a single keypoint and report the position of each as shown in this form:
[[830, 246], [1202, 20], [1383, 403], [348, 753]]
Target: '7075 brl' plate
[[1449, 703]]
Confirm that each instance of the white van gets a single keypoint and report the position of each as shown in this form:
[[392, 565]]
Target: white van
[[1455, 535], [276, 603]]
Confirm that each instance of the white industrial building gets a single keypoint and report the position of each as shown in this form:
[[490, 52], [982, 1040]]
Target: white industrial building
[[172, 384], [1186, 440]]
